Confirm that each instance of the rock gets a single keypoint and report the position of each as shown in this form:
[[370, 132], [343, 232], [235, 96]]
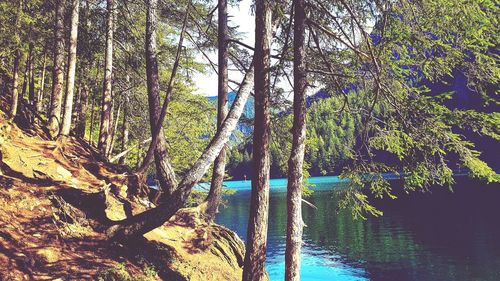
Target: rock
[[65, 174], [48, 255]]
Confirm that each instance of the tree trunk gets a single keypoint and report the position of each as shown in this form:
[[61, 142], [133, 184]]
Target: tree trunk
[[214, 195], [255, 256], [115, 128], [31, 74], [92, 121], [25, 77], [70, 78], [107, 99], [57, 73], [82, 112], [15, 86], [77, 106], [296, 161], [111, 122], [157, 129], [153, 218], [15, 70], [41, 89], [164, 171], [125, 129]]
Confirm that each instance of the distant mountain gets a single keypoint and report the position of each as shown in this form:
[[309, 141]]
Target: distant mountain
[[310, 100], [248, 112]]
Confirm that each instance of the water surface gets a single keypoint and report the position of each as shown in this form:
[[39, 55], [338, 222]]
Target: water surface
[[441, 236]]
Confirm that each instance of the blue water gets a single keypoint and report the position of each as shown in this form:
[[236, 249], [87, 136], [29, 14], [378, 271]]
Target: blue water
[[441, 236]]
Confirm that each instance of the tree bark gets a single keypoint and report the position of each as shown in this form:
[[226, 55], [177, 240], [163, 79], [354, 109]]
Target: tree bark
[[70, 78], [115, 128], [111, 122], [296, 161], [31, 74], [15, 85], [57, 73], [214, 195], [164, 171], [25, 77], [255, 256], [41, 89], [157, 129], [153, 218], [15, 70], [125, 129], [107, 98], [82, 112], [92, 120]]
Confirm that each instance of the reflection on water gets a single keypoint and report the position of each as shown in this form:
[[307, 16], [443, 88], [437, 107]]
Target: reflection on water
[[426, 237]]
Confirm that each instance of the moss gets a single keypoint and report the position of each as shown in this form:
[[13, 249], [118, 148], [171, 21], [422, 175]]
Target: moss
[[120, 273]]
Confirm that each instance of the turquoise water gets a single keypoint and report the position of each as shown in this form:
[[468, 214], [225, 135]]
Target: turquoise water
[[425, 237]]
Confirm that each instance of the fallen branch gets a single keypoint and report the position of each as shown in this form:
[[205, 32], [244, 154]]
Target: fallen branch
[[123, 153], [309, 204]]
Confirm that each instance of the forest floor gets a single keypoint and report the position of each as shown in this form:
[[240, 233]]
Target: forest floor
[[57, 198]]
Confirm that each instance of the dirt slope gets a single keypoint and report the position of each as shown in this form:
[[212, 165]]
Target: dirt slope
[[58, 197]]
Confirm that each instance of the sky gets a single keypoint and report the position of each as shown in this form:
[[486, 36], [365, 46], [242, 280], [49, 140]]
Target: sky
[[239, 15]]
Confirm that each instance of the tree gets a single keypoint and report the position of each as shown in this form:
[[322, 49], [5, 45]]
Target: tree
[[155, 217], [125, 128], [296, 161], [107, 98], [15, 85], [70, 78], [17, 59], [41, 87], [164, 170], [82, 111], [407, 129], [255, 255], [31, 73], [214, 195], [57, 72]]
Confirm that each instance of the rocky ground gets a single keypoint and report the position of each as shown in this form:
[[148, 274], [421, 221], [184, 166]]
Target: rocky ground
[[57, 198]]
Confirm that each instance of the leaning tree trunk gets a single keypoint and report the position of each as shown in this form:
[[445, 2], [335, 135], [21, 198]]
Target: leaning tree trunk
[[296, 161], [70, 81], [164, 171], [57, 73], [153, 218], [255, 256], [107, 98], [214, 195], [158, 128]]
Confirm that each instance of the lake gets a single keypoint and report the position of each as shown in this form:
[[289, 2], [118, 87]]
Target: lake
[[438, 236]]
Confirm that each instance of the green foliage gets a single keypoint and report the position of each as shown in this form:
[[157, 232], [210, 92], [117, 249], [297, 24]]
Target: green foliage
[[331, 135], [197, 197], [421, 139], [189, 127], [21, 26], [120, 273]]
